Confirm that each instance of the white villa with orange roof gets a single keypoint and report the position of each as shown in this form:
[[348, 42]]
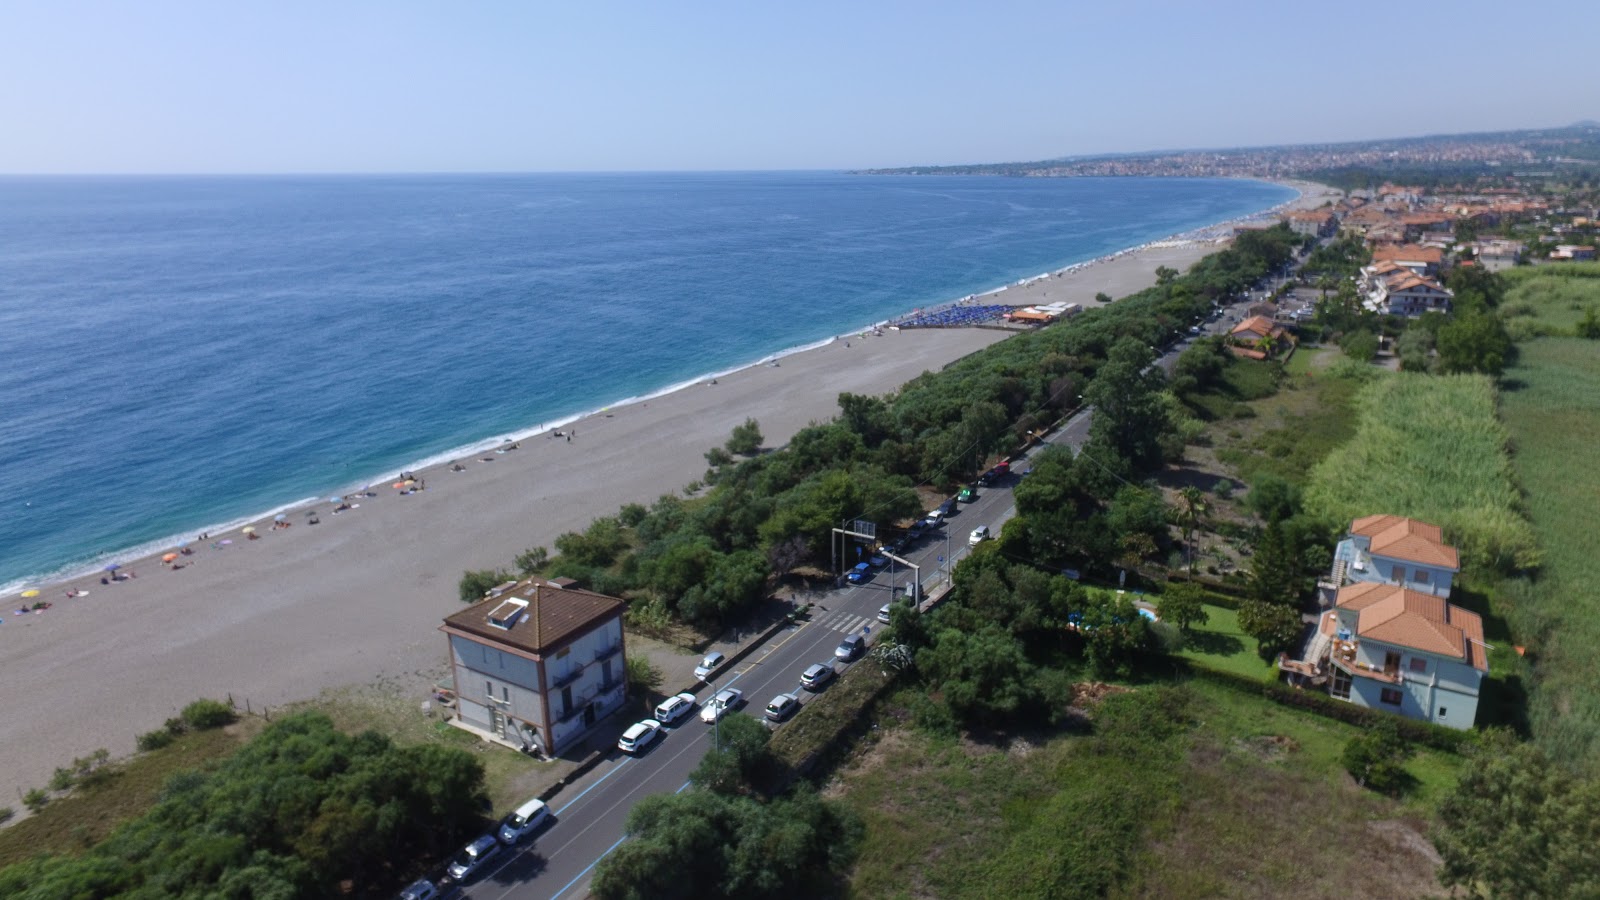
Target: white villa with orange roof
[[1392, 641], [1396, 550]]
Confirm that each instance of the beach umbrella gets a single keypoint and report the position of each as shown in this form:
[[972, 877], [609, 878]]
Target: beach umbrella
[[335, 499], [280, 517], [225, 541], [113, 567], [30, 593], [398, 484], [248, 529], [182, 544], [169, 557]]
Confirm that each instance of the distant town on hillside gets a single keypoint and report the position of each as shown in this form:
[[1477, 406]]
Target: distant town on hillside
[[1572, 151]]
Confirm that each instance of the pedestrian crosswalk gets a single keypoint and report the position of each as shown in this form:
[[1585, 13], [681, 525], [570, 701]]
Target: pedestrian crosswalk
[[843, 621]]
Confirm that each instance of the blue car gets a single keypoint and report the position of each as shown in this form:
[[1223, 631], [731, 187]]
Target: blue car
[[860, 573]]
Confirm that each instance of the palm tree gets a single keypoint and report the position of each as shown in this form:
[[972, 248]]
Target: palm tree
[[1190, 515]]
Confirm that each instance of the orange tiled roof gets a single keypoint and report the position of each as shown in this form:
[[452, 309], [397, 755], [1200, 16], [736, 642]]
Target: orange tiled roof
[[1394, 615], [1407, 253], [1398, 537], [1258, 325]]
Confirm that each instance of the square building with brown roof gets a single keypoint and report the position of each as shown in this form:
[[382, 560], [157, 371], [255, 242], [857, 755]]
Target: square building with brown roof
[[537, 664]]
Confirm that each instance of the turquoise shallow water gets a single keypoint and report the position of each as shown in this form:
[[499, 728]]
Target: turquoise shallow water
[[176, 353]]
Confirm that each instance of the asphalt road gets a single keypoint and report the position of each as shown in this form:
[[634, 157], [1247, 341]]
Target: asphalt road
[[589, 816]]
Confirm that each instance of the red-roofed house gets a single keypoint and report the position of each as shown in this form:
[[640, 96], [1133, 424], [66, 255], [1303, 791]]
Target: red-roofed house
[[537, 664], [1424, 261], [1406, 652], [1393, 641], [1257, 337], [1397, 550]]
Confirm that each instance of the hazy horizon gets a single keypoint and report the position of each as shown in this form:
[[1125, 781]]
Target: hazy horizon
[[181, 88]]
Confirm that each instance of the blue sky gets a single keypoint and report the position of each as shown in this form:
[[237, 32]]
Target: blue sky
[[353, 86]]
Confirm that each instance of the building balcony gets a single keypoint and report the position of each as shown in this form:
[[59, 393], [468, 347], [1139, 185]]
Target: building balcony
[[608, 652], [566, 679]]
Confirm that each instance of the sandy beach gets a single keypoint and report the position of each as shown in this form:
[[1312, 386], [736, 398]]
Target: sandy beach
[[360, 595]]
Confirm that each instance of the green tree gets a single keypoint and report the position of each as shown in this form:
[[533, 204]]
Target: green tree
[[1518, 825], [1183, 604], [1474, 342], [1274, 499], [1275, 568], [1192, 509], [531, 560], [477, 582], [1414, 346], [984, 674], [1114, 634], [1275, 626], [1376, 758], [730, 767], [1129, 416], [746, 439], [1361, 345]]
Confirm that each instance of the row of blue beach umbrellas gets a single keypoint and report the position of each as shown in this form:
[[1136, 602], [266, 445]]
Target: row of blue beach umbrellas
[[955, 316]]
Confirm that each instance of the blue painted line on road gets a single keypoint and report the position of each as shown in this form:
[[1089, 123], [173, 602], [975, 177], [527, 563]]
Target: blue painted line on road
[[591, 787], [685, 786], [579, 877]]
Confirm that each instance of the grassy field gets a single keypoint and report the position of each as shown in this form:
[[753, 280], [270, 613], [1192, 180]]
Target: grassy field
[[1289, 432], [1552, 407], [1431, 447], [1220, 644], [1549, 300], [1247, 800]]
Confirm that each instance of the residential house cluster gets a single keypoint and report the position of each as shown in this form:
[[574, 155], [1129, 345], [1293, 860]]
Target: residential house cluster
[[1402, 280], [1389, 637]]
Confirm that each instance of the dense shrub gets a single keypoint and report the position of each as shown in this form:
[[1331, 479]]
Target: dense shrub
[[203, 715], [154, 740]]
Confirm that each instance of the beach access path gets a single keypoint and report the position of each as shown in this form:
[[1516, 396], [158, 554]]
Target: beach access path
[[361, 595]]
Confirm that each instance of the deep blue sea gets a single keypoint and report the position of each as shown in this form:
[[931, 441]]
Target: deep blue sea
[[177, 353]]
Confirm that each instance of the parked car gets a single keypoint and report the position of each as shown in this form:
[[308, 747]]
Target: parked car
[[674, 708], [949, 508], [1001, 469], [815, 677], [472, 857], [850, 647], [421, 889], [883, 613], [718, 706], [523, 821], [932, 523], [860, 573], [782, 707], [967, 494], [708, 665], [639, 736], [979, 535], [878, 560]]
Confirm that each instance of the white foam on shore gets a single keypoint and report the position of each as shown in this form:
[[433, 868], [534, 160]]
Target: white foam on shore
[[96, 565]]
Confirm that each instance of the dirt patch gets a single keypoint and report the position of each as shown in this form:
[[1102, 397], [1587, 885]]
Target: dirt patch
[[1268, 747]]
